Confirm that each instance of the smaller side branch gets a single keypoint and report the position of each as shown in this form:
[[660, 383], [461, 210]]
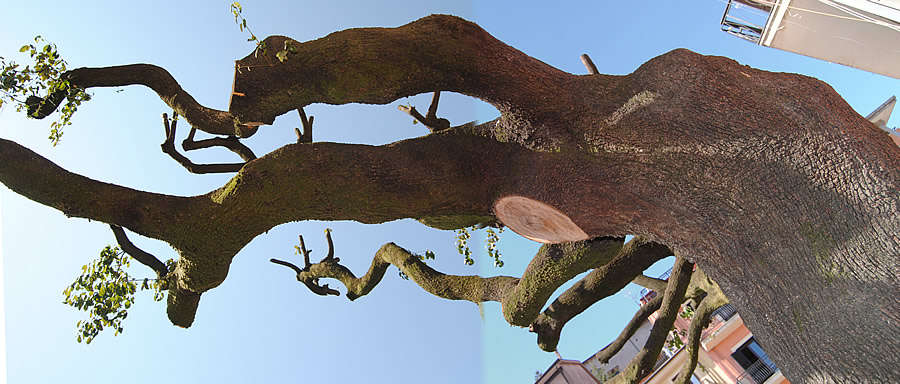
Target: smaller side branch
[[635, 257], [639, 318], [168, 147], [138, 254], [698, 324], [650, 283], [307, 123], [472, 288], [589, 64], [303, 276], [642, 364], [232, 143], [551, 267], [39, 108], [164, 84], [296, 269], [430, 120]]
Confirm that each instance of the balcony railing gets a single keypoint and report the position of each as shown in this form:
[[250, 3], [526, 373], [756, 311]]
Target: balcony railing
[[758, 372], [646, 291], [660, 361], [744, 20], [725, 312]]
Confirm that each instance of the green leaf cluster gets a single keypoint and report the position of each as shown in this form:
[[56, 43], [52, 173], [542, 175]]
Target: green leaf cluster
[[239, 19], [490, 244], [106, 292], [288, 48], [675, 341], [462, 245], [23, 86], [237, 10]]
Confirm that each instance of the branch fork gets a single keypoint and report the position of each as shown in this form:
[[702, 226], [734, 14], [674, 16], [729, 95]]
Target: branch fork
[[307, 123], [430, 120], [303, 274], [231, 142]]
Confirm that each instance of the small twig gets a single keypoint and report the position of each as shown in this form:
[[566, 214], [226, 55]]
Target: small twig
[[330, 257], [296, 269], [168, 147], [139, 254], [432, 109], [321, 290], [412, 112], [430, 121], [306, 135], [305, 253], [312, 284]]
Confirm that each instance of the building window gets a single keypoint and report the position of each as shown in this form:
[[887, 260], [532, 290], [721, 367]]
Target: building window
[[756, 363]]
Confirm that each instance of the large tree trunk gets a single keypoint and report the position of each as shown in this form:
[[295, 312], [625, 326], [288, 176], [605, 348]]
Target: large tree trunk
[[770, 182]]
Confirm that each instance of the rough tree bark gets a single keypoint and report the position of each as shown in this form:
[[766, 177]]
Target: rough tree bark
[[769, 182]]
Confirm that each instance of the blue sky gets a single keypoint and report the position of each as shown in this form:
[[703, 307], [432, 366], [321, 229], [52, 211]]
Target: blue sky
[[261, 325]]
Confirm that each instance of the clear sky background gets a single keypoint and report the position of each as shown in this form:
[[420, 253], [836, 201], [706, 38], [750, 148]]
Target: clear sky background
[[261, 325]]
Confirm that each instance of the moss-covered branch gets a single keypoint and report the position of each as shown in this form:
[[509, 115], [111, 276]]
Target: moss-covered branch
[[472, 288], [634, 258], [554, 265], [380, 65], [521, 298]]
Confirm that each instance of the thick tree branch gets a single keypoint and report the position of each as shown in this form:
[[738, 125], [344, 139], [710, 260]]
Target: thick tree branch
[[424, 178], [380, 65], [634, 258], [148, 214], [551, 267], [427, 178], [138, 254], [161, 81]]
